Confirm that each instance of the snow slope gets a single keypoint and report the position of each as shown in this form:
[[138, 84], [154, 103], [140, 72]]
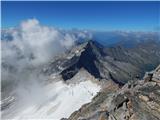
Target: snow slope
[[60, 101]]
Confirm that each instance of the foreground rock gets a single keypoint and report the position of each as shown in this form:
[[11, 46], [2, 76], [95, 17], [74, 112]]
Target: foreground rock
[[137, 100]]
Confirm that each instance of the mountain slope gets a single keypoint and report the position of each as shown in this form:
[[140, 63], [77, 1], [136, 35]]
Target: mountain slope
[[137, 100]]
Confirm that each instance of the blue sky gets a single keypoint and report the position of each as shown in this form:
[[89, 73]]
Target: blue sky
[[139, 16]]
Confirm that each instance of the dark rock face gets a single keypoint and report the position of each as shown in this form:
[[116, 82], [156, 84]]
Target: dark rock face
[[137, 100], [86, 60]]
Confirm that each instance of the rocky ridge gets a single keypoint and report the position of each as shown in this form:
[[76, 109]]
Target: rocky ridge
[[136, 100]]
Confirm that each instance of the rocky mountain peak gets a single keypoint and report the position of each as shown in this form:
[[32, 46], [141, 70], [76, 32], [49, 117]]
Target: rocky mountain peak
[[87, 60]]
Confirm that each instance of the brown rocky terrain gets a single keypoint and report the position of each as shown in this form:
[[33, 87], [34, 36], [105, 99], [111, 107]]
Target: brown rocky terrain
[[136, 100]]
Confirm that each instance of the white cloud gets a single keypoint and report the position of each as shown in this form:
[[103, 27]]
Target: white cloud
[[41, 42]]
